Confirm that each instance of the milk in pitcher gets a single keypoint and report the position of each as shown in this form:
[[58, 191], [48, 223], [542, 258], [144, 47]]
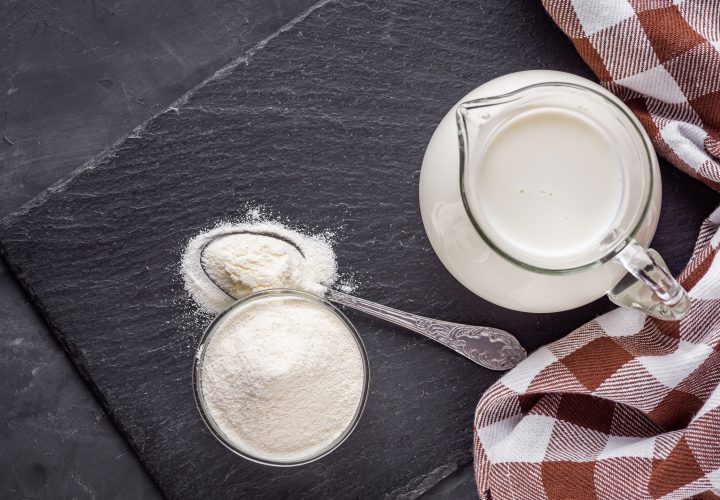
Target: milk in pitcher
[[540, 191]]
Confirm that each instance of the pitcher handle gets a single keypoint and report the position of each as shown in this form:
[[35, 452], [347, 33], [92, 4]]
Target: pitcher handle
[[672, 301]]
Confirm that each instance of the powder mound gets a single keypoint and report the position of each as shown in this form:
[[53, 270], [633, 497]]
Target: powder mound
[[249, 257], [245, 263], [282, 378]]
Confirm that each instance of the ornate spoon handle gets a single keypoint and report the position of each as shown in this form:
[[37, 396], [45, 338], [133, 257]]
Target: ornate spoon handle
[[489, 347]]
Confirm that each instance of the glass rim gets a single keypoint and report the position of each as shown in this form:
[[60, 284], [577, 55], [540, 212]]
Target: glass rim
[[649, 161], [197, 378]]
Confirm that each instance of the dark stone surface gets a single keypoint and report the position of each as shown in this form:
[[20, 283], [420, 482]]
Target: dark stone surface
[[55, 441], [327, 125], [76, 76]]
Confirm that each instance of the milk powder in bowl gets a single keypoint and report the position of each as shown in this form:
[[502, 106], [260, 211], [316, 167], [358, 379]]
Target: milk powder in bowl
[[281, 377]]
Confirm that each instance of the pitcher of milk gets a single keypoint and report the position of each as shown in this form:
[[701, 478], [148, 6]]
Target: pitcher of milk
[[540, 192]]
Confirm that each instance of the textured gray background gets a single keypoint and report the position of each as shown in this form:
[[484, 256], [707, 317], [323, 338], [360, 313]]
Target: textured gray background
[[71, 97]]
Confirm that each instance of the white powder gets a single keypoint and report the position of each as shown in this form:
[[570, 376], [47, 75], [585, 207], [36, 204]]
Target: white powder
[[253, 261], [282, 378]]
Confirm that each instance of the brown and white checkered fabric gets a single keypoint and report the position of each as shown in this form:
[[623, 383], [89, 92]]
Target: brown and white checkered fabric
[[627, 406], [624, 407], [662, 57]]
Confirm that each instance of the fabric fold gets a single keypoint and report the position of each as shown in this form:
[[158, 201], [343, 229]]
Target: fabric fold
[[662, 58], [625, 406]]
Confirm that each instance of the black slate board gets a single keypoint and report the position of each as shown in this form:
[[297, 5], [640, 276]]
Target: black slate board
[[325, 124]]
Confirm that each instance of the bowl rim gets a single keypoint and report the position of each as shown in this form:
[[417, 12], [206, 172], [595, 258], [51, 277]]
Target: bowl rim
[[200, 356]]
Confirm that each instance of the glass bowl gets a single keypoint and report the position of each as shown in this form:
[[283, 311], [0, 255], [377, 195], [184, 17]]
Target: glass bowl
[[198, 365]]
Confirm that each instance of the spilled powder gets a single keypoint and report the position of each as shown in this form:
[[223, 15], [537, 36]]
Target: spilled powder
[[254, 256]]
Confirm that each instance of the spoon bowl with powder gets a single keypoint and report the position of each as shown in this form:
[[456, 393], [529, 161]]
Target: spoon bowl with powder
[[234, 261]]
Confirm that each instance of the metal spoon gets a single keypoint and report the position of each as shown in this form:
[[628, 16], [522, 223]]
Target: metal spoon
[[489, 347]]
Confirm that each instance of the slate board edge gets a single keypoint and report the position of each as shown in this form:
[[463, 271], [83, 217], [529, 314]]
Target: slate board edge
[[75, 356], [413, 489], [245, 58]]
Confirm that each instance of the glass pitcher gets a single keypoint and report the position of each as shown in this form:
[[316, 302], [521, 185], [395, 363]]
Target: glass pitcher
[[556, 197]]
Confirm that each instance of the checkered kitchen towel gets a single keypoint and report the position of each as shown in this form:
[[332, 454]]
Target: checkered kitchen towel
[[662, 57], [627, 406]]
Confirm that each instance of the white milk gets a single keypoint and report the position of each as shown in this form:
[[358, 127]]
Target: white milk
[[548, 184], [547, 192]]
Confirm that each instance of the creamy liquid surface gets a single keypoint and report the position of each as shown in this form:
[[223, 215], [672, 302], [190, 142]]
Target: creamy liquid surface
[[549, 184]]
